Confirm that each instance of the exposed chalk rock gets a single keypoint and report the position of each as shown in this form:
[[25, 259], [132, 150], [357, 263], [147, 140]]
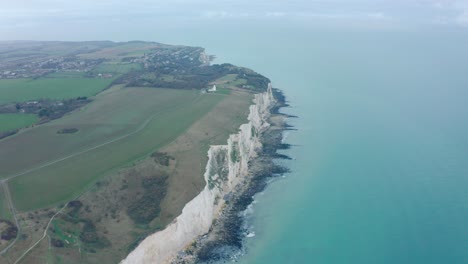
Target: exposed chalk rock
[[227, 166]]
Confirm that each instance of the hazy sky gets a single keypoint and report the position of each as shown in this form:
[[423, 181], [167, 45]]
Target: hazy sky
[[60, 19]]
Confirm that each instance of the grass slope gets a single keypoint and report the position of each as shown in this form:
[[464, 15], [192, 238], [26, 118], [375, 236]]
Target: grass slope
[[14, 121], [20, 90], [121, 51], [65, 179], [114, 113], [117, 67], [5, 212]]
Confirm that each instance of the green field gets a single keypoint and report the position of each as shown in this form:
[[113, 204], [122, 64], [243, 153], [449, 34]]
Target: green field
[[5, 212], [73, 74], [10, 122], [116, 68], [145, 126], [230, 80], [21, 90], [37, 49], [114, 113], [223, 91], [106, 151], [227, 78], [115, 53]]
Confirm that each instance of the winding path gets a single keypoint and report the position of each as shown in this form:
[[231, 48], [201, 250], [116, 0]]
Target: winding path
[[4, 181], [6, 191]]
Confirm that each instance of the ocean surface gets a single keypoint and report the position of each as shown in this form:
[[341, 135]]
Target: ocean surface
[[380, 169]]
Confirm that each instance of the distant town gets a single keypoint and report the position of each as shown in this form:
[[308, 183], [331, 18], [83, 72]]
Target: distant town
[[168, 60], [39, 68]]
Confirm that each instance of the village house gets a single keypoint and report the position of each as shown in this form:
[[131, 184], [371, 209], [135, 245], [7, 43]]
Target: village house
[[212, 89]]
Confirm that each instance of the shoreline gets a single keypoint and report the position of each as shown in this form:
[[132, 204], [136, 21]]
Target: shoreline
[[234, 173], [225, 240]]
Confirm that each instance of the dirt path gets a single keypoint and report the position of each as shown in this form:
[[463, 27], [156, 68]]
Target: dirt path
[[4, 182], [13, 212], [43, 236], [139, 129]]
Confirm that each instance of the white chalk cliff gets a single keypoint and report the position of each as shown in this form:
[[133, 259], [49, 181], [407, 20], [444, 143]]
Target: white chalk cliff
[[227, 166]]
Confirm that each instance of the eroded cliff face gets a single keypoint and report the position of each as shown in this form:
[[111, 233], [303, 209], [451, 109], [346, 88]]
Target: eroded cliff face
[[227, 166]]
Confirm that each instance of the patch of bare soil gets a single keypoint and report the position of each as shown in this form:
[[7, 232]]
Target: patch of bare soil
[[32, 225], [110, 219]]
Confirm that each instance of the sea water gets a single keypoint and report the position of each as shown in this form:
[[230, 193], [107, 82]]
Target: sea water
[[380, 156]]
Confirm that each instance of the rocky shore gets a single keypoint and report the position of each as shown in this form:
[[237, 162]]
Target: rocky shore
[[225, 240], [210, 227]]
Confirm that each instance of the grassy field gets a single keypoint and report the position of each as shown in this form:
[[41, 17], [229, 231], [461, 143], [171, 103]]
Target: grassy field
[[108, 201], [20, 90], [14, 121], [190, 150], [227, 78], [117, 68], [22, 50], [136, 155], [118, 52], [65, 179], [5, 212], [230, 80], [112, 114], [73, 74]]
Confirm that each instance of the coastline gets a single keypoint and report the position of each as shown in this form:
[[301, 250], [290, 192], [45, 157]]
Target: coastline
[[225, 240], [210, 226]]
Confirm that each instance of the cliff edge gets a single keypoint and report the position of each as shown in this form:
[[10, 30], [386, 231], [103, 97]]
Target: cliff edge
[[227, 166]]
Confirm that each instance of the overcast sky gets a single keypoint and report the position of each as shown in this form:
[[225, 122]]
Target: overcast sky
[[54, 19]]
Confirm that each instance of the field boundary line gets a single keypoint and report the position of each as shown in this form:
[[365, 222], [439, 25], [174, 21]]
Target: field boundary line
[[13, 212], [141, 128], [4, 182]]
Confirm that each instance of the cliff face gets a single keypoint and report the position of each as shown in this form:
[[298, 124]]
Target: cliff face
[[227, 166]]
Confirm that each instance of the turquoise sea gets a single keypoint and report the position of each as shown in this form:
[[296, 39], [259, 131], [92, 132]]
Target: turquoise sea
[[380, 169]]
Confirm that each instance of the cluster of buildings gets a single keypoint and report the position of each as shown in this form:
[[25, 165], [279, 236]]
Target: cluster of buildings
[[104, 75], [8, 74], [171, 57], [209, 90], [41, 67]]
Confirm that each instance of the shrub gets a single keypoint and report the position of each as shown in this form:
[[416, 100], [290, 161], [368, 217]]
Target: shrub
[[148, 206]]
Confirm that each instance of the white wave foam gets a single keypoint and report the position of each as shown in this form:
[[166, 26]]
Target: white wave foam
[[251, 234], [285, 136]]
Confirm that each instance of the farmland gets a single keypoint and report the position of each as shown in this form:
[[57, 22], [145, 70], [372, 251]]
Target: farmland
[[20, 90], [105, 203], [118, 52], [97, 122], [14, 121], [4, 210], [67, 178], [107, 121], [116, 68]]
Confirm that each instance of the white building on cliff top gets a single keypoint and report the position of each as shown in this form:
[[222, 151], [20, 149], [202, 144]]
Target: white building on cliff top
[[213, 89]]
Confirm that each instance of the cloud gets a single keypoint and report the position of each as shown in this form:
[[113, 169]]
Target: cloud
[[371, 16], [275, 14], [225, 15], [454, 12], [39, 15], [335, 16], [462, 19], [378, 15]]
